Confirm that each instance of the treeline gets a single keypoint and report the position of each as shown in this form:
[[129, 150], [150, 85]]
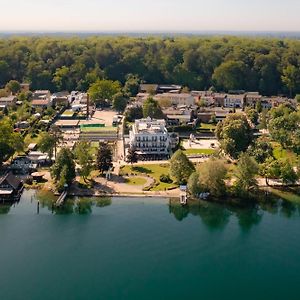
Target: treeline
[[270, 66]]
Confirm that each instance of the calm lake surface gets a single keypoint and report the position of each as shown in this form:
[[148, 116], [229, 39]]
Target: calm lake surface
[[143, 248]]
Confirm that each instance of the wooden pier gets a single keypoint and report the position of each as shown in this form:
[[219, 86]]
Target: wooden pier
[[61, 199]]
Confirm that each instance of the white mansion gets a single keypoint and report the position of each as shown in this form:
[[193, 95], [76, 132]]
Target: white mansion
[[150, 138]]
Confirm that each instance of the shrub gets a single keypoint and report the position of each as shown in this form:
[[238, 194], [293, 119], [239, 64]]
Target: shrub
[[165, 178]]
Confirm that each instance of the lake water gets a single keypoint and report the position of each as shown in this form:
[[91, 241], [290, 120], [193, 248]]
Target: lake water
[[143, 248]]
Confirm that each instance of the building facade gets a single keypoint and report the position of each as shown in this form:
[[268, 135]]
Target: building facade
[[150, 138]]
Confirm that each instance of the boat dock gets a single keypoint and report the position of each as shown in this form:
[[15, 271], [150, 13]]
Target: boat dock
[[61, 199]]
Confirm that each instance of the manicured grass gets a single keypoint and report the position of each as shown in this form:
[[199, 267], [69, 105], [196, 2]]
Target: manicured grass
[[136, 180], [153, 171], [99, 129], [208, 126], [199, 151]]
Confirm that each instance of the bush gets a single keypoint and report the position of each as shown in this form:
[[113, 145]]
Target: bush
[[165, 178]]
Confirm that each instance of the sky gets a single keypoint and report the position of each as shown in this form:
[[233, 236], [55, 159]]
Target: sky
[[150, 15]]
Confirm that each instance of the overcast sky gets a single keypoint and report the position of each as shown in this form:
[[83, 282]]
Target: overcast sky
[[150, 15]]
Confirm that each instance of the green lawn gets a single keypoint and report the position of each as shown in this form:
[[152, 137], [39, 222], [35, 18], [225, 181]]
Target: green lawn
[[154, 171], [136, 180], [99, 129], [199, 151], [208, 126]]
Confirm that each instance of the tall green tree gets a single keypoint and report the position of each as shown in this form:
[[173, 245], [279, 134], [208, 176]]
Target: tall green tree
[[291, 78], [283, 125], [10, 141], [261, 149], [132, 156], [212, 175], [234, 134], [104, 157], [119, 102], [230, 75], [181, 167], [84, 158], [193, 184], [13, 86], [103, 90], [246, 170], [63, 171], [152, 109]]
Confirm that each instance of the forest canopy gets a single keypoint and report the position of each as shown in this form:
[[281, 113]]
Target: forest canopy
[[270, 66]]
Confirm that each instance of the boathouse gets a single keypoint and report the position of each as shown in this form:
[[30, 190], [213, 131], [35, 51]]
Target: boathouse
[[10, 188]]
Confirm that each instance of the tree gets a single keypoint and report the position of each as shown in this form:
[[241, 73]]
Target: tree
[[287, 173], [132, 85], [63, 171], [181, 167], [104, 157], [152, 109], [230, 75], [13, 86], [132, 156], [134, 113], [119, 102], [234, 134], [84, 158], [4, 72], [270, 169], [283, 125], [49, 140], [212, 174], [103, 90], [10, 141], [252, 114], [291, 78], [47, 143], [193, 184], [258, 106], [261, 149], [62, 78], [246, 171]]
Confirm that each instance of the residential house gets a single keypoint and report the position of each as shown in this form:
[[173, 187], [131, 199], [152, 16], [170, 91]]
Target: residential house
[[60, 99], [148, 88], [41, 94], [40, 103], [177, 99], [8, 101], [22, 165], [234, 101], [178, 116], [10, 188], [252, 98], [142, 97], [219, 99], [169, 88]]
